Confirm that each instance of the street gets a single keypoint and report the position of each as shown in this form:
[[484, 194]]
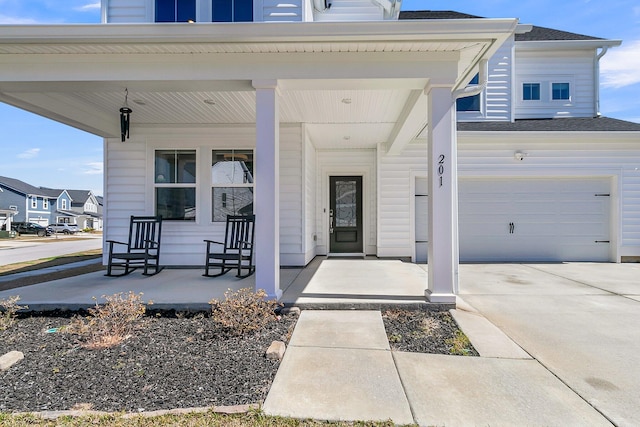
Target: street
[[28, 249]]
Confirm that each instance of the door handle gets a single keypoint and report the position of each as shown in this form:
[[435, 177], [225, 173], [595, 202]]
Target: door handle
[[330, 221]]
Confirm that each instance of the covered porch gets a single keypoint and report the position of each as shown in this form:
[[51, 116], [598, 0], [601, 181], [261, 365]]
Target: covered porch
[[310, 102], [323, 284]]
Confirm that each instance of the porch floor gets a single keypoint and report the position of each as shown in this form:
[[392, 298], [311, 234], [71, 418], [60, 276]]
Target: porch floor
[[323, 283]]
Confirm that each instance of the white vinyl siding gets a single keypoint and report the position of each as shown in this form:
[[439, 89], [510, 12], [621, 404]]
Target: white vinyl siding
[[496, 100], [280, 11], [292, 184], [129, 11], [395, 234], [575, 68], [310, 179]]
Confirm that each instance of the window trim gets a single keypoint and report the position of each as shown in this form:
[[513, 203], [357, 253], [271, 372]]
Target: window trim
[[45, 203], [569, 91], [538, 99], [155, 185], [34, 202]]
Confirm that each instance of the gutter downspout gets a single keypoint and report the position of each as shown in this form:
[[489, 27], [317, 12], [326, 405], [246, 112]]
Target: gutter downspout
[[596, 78], [483, 78]]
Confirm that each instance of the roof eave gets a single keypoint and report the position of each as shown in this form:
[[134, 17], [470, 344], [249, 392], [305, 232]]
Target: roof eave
[[566, 44], [257, 32]]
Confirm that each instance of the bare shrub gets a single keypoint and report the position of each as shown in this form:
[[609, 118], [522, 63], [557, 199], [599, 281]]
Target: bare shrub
[[8, 309], [244, 311], [111, 323]]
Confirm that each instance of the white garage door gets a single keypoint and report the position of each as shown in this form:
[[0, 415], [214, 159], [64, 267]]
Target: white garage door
[[558, 219]]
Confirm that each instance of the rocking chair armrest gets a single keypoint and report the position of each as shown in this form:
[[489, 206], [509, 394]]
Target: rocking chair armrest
[[111, 242], [152, 244], [213, 241]]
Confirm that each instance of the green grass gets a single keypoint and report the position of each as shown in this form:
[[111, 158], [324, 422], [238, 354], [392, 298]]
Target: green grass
[[205, 419]]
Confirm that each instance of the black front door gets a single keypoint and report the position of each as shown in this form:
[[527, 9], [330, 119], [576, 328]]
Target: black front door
[[345, 214]]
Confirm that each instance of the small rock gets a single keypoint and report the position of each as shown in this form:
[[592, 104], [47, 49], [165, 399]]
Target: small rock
[[290, 310], [276, 350], [10, 359]]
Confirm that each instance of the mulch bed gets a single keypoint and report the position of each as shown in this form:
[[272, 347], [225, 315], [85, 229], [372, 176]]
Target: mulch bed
[[171, 362]]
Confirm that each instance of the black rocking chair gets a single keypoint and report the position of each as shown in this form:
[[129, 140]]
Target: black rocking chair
[[142, 249], [237, 248]]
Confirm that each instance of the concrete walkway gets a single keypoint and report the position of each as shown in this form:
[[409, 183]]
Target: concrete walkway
[[339, 366]]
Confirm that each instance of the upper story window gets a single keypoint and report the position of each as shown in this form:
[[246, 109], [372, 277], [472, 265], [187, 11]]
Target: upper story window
[[175, 184], [560, 91], [531, 91], [470, 103], [232, 10], [45, 203], [175, 10], [63, 204], [34, 202]]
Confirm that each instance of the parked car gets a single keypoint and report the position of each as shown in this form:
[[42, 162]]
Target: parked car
[[62, 227], [30, 228]]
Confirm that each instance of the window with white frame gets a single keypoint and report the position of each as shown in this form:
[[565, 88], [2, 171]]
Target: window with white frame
[[45, 203], [63, 204], [175, 10], [34, 202], [469, 103], [560, 91], [175, 184], [232, 10], [531, 91], [232, 183]]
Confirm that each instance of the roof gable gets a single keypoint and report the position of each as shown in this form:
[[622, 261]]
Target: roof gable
[[26, 189]]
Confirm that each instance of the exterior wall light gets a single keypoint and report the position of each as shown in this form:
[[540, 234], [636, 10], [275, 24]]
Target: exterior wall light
[[125, 117], [519, 155]]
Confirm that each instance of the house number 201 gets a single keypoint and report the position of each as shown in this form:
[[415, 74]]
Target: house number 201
[[440, 168]]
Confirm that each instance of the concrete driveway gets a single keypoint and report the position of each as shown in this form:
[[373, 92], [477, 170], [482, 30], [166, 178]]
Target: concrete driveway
[[579, 320]]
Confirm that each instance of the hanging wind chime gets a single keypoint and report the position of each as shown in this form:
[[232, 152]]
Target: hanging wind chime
[[125, 117]]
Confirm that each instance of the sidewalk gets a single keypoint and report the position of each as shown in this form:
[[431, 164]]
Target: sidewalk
[[339, 366]]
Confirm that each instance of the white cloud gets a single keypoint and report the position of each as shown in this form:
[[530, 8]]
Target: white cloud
[[93, 168], [620, 67], [12, 20], [90, 7], [29, 154]]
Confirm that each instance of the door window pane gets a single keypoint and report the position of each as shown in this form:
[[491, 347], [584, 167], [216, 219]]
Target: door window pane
[[175, 10], [346, 214]]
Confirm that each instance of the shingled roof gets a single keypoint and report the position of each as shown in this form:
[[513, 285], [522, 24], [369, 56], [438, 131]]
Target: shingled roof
[[575, 124], [536, 33], [27, 189]]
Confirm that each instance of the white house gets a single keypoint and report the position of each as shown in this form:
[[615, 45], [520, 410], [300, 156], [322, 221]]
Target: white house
[[344, 125]]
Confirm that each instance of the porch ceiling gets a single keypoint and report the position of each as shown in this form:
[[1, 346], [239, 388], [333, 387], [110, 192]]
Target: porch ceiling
[[351, 84]]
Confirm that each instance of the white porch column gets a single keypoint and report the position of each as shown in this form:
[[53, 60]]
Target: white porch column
[[267, 188], [443, 196]]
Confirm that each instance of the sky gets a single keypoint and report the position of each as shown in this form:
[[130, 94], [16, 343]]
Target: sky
[[42, 152]]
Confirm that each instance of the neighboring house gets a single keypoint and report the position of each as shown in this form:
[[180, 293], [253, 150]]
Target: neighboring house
[[29, 203], [79, 207], [347, 127], [46, 206]]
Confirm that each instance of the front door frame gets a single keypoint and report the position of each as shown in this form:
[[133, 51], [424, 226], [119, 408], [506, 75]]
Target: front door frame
[[361, 219]]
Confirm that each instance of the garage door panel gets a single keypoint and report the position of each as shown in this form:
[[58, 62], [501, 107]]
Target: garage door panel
[[532, 219]]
